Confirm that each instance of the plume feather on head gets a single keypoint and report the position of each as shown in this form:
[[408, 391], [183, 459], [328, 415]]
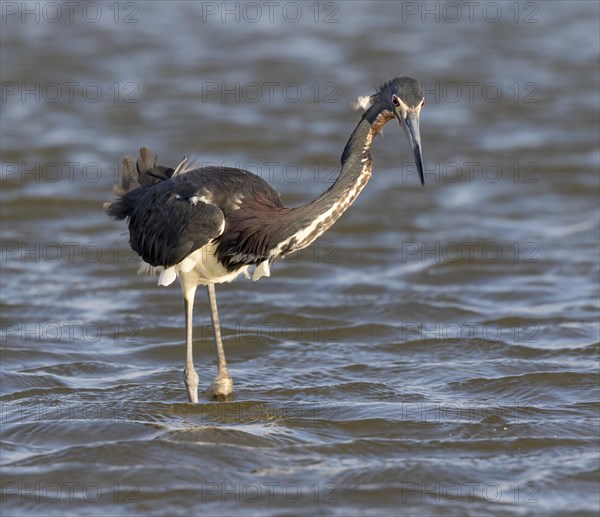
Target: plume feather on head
[[363, 102]]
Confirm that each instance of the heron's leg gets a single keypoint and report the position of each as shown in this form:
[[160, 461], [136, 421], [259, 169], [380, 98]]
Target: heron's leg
[[222, 386], [189, 373]]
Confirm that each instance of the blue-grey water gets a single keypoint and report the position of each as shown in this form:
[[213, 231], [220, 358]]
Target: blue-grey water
[[434, 353]]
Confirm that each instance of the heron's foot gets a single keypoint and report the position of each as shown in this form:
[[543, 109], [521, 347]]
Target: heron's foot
[[191, 383], [221, 387]]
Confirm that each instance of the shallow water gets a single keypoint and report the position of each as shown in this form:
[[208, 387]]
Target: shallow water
[[434, 353]]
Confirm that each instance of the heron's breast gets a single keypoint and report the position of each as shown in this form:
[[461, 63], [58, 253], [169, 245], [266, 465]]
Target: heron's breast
[[204, 266]]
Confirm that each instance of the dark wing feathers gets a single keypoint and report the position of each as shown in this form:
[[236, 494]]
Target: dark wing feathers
[[166, 221], [166, 226], [173, 216]]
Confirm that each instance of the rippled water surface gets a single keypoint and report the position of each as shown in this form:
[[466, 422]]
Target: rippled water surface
[[434, 353]]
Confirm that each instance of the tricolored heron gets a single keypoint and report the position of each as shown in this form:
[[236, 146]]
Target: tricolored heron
[[208, 225]]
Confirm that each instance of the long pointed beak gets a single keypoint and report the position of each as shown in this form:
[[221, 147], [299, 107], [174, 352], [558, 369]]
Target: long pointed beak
[[411, 128]]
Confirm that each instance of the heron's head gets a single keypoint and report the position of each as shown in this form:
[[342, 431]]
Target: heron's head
[[402, 96]]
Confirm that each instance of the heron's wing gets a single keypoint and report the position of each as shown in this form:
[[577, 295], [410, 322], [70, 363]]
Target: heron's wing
[[169, 221]]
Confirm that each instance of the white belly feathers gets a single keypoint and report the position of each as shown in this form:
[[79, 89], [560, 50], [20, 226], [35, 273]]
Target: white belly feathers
[[203, 267]]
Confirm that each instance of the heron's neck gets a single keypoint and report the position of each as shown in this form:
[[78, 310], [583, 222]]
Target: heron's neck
[[356, 162], [315, 218]]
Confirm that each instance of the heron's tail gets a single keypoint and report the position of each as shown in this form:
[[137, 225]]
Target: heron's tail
[[141, 173]]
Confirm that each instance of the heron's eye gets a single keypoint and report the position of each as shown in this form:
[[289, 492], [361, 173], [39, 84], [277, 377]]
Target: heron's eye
[[395, 101], [422, 103]]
